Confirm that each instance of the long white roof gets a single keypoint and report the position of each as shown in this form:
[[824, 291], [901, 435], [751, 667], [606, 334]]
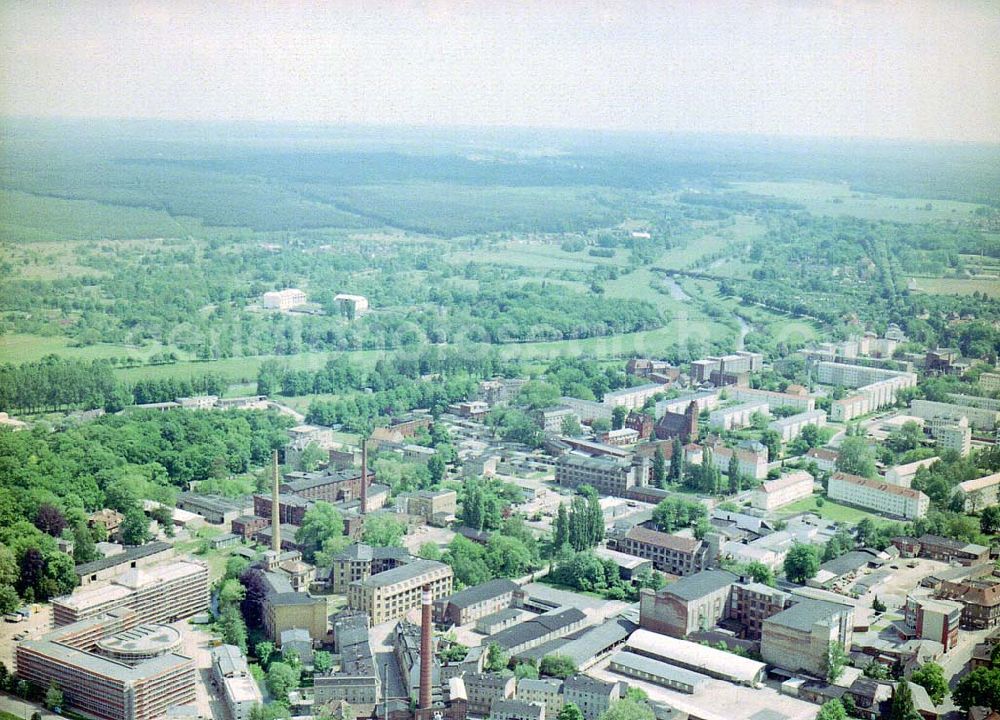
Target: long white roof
[[718, 662]]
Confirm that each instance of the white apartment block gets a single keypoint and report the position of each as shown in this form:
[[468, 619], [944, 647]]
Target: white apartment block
[[951, 434], [774, 494], [702, 401], [990, 382], [902, 475], [751, 463], [981, 492], [802, 403], [736, 416], [876, 387], [974, 401], [791, 427], [284, 299], [979, 418], [632, 398], [878, 496]]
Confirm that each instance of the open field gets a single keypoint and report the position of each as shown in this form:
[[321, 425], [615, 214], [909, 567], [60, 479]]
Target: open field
[[958, 286], [541, 257], [18, 348], [833, 199], [831, 511]]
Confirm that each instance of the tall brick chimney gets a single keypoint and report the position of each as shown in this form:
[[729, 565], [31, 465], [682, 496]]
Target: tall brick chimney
[[275, 506], [426, 651], [364, 475]]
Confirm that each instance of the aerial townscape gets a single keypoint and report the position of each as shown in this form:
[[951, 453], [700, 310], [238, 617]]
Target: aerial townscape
[[446, 362]]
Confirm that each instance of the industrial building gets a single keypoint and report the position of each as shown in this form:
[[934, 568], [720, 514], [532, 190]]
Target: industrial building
[[473, 603], [158, 593], [670, 553], [607, 475], [137, 556], [391, 594], [538, 630], [111, 666], [697, 658], [232, 676], [798, 639], [360, 561], [657, 672]]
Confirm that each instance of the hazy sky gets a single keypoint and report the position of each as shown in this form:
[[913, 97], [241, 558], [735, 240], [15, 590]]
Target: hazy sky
[[908, 69]]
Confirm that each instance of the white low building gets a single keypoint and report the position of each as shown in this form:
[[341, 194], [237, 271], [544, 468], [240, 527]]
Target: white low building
[[981, 492], [903, 475], [284, 299]]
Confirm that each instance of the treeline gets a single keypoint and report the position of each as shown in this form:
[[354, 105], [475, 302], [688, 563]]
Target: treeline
[[118, 459], [56, 383]]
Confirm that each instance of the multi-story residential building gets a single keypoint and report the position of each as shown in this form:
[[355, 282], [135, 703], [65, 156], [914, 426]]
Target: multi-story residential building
[[538, 630], [951, 434], [158, 593], [670, 553], [587, 410], [798, 638], [703, 400], [878, 495], [903, 475], [976, 401], [547, 692], [774, 494], [357, 681], [826, 460], [500, 391], [391, 594], [607, 475], [232, 675], [980, 598], [284, 299], [516, 710], [876, 387], [979, 418], [632, 398], [482, 689], [989, 382], [980, 493], [110, 666], [591, 695], [789, 428], [551, 419], [473, 603], [738, 416], [752, 461], [800, 403], [431, 504], [360, 561]]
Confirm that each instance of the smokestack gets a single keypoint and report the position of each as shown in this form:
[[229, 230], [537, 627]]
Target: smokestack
[[426, 653], [364, 475], [275, 506]]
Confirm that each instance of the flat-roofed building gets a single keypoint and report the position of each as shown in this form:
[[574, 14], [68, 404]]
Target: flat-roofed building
[[391, 594], [773, 494], [951, 434], [629, 566], [292, 610], [980, 493], [798, 639], [607, 475], [937, 620], [878, 495], [990, 382], [111, 566], [351, 305], [742, 361], [72, 658], [473, 603], [773, 399], [360, 561], [157, 593], [674, 554], [983, 419], [232, 675], [428, 504]]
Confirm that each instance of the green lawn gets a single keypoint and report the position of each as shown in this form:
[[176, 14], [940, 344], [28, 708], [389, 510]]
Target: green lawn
[[18, 348], [958, 286], [832, 511]]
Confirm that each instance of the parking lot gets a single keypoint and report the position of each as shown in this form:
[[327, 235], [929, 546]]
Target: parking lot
[[39, 623]]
